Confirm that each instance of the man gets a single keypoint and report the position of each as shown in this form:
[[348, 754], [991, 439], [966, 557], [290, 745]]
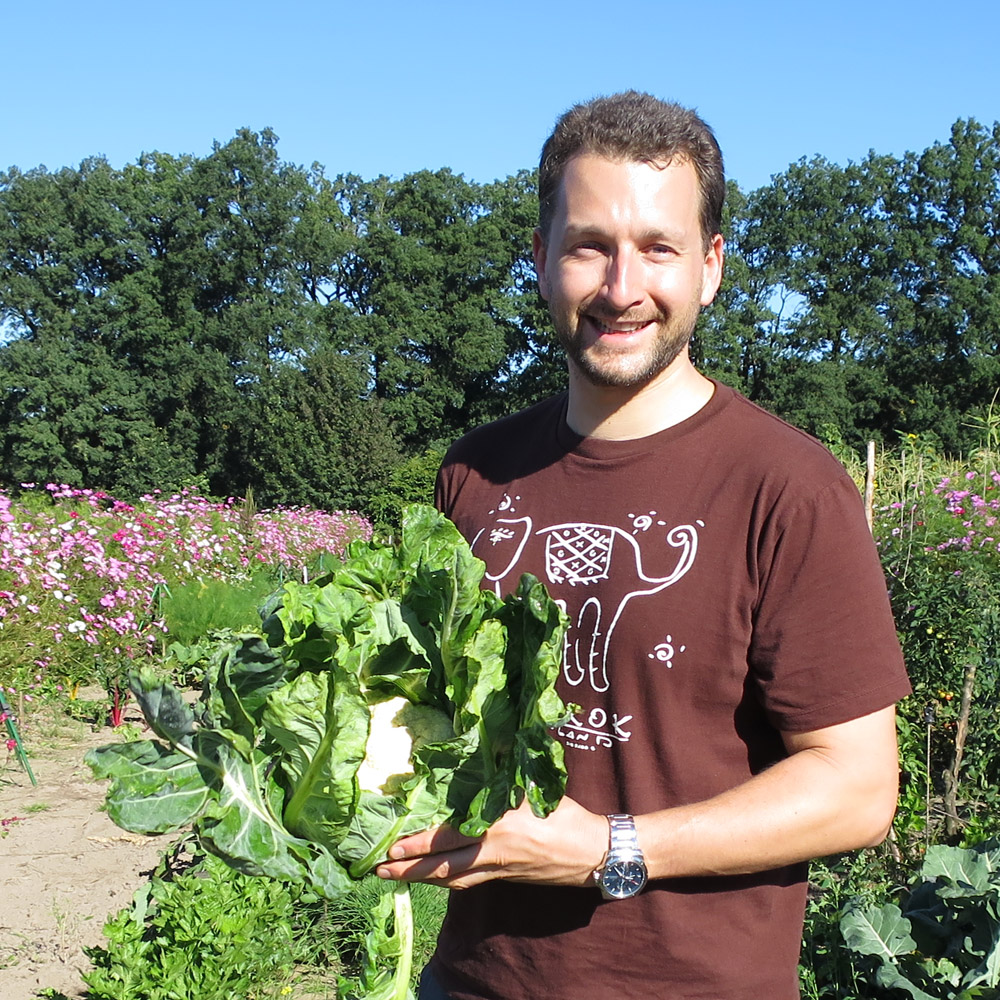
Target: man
[[730, 645]]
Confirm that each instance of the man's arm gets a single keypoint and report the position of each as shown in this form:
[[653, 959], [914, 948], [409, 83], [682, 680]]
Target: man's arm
[[836, 791]]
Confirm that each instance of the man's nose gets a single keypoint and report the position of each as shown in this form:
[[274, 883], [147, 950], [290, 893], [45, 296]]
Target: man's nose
[[622, 283]]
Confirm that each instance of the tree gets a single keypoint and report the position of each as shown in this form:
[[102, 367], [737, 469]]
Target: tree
[[435, 281], [945, 351], [180, 270], [318, 439]]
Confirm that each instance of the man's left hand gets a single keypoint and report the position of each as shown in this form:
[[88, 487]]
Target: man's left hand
[[562, 849]]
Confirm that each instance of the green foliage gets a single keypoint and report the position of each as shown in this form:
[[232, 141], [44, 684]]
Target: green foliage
[[349, 921], [195, 608], [247, 321], [208, 933], [940, 555], [865, 295], [411, 482], [827, 970], [201, 930], [315, 437], [266, 767], [944, 941]]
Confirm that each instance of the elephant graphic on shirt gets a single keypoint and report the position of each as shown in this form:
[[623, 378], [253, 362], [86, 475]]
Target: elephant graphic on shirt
[[580, 554]]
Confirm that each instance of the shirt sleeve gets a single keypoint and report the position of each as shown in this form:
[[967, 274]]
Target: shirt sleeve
[[824, 648]]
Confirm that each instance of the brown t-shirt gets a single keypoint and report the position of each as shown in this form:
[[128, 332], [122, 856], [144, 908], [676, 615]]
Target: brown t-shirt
[[722, 587]]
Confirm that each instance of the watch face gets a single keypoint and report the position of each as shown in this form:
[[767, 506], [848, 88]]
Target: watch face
[[621, 879]]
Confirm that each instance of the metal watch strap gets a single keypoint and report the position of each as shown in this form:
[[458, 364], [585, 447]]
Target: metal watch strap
[[624, 841], [623, 846]]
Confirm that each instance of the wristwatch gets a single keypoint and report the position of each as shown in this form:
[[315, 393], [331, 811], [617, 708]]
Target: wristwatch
[[623, 872]]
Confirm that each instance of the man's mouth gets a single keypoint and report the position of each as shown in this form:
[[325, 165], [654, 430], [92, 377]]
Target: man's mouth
[[620, 328]]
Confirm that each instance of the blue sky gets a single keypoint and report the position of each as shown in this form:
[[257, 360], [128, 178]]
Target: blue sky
[[390, 87]]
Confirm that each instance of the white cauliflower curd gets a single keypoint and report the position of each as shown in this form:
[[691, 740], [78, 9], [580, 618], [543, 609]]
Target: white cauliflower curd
[[398, 728]]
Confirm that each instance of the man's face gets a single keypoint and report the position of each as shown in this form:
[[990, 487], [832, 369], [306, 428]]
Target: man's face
[[623, 267]]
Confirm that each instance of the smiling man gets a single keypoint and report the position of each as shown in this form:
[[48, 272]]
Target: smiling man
[[730, 645]]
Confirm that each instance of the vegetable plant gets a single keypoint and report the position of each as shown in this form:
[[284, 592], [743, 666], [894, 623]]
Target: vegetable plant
[[206, 933], [944, 941], [266, 765]]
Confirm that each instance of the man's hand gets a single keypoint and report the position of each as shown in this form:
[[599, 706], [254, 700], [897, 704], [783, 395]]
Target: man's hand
[[562, 849]]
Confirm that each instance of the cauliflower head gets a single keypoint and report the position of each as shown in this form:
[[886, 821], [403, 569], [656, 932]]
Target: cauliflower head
[[398, 728]]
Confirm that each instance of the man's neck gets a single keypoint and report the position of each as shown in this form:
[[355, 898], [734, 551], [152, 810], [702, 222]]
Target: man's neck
[[624, 414]]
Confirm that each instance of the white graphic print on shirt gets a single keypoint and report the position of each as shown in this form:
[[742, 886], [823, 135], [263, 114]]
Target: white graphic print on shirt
[[577, 555]]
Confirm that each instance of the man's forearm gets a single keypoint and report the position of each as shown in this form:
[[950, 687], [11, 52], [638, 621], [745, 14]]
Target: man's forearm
[[836, 791], [825, 797]]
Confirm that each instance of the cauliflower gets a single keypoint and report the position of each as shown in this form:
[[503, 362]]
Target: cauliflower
[[398, 728]]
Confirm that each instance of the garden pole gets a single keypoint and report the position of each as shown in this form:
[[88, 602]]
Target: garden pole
[[870, 486], [8, 717], [953, 822]]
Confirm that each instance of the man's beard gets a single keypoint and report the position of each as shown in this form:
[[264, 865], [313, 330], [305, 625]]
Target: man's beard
[[598, 363]]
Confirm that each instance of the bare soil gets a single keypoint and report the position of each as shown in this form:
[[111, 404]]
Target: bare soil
[[64, 866]]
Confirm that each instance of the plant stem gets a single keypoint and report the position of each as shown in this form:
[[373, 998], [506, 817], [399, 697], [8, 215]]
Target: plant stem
[[402, 914]]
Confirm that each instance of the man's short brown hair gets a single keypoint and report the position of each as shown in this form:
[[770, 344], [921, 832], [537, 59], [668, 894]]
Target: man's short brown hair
[[634, 127]]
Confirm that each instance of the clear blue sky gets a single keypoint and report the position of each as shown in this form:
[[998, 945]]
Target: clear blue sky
[[390, 87]]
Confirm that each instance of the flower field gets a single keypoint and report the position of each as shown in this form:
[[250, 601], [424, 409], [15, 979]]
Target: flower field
[[83, 575]]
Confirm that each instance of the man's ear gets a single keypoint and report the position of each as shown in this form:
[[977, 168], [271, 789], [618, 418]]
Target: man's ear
[[539, 253], [711, 275]]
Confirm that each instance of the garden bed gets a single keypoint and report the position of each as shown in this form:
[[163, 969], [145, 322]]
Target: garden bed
[[64, 866]]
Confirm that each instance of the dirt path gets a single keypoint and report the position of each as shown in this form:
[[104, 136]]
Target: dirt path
[[64, 866]]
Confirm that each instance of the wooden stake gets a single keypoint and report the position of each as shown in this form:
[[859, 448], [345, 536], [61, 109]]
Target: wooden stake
[[953, 824], [870, 487]]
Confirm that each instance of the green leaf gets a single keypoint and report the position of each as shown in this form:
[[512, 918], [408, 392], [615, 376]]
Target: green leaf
[[168, 715], [890, 977], [880, 931], [960, 866], [154, 789], [321, 723], [988, 971], [239, 681], [242, 825]]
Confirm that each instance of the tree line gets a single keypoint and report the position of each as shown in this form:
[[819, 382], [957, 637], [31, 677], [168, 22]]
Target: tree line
[[238, 322]]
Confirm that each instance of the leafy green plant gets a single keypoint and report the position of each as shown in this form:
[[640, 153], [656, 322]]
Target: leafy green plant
[[209, 933], [267, 766], [827, 971], [354, 917], [196, 608], [187, 662], [944, 941]]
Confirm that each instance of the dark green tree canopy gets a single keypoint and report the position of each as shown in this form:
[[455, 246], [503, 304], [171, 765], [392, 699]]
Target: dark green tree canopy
[[243, 321]]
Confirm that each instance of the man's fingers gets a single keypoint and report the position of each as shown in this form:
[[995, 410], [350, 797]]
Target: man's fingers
[[438, 869], [437, 841]]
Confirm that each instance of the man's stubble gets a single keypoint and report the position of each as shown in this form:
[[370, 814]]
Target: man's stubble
[[604, 366]]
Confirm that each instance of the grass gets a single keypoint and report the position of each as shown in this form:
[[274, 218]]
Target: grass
[[193, 609], [349, 919]]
